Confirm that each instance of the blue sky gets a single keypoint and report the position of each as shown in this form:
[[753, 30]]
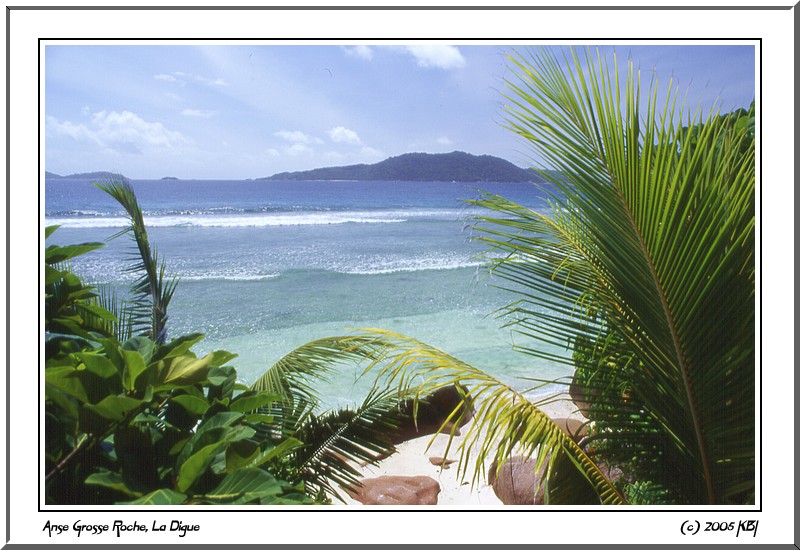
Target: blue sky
[[248, 111]]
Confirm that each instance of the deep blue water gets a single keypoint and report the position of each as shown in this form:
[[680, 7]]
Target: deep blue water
[[268, 265]]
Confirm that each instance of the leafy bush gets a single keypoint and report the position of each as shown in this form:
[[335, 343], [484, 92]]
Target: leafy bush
[[139, 422]]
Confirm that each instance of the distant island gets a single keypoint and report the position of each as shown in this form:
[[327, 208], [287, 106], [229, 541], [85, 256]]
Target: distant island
[[455, 166], [86, 176]]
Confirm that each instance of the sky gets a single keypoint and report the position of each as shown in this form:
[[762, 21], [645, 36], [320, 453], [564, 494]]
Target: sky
[[248, 111]]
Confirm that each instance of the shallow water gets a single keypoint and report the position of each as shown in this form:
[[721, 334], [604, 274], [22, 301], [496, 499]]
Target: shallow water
[[268, 266]]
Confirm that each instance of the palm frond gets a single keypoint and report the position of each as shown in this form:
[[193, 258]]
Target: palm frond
[[153, 290], [504, 421], [293, 377], [651, 240], [337, 441]]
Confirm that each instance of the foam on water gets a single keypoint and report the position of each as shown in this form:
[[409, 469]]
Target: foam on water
[[385, 266], [231, 221], [205, 218], [265, 268]]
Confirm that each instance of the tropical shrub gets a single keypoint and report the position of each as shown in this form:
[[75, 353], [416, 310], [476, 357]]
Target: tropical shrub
[[144, 423], [132, 418]]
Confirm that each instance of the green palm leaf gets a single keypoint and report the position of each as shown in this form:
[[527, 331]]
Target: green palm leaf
[[334, 442], [504, 421], [294, 376], [337, 441], [652, 242], [153, 290]]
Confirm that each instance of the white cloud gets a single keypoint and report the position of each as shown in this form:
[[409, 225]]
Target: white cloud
[[123, 132], [296, 136], [340, 134], [273, 153], [444, 140], [78, 132], [439, 57], [181, 78], [298, 149], [361, 52], [198, 113]]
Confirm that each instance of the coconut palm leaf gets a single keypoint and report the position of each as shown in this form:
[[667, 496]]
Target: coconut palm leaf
[[334, 442], [337, 441], [505, 422], [294, 376], [153, 290], [651, 242]]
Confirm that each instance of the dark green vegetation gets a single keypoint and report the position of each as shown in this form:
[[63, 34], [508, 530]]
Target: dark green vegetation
[[645, 271], [134, 417], [455, 166]]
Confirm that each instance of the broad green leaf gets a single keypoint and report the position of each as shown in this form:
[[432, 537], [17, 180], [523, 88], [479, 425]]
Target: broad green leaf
[[177, 347], [115, 407], [204, 454], [195, 405], [283, 448], [217, 377], [252, 401], [61, 399], [48, 230], [64, 379], [240, 454], [112, 480], [135, 365], [219, 420], [97, 364], [160, 497], [196, 465], [54, 254], [221, 357], [201, 449], [260, 418], [141, 344], [52, 275], [184, 370], [244, 486]]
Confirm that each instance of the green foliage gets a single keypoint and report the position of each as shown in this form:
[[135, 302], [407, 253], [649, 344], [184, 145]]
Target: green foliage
[[141, 422], [333, 441], [646, 267], [151, 293]]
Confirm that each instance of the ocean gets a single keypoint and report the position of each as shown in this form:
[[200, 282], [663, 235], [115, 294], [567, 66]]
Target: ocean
[[266, 266]]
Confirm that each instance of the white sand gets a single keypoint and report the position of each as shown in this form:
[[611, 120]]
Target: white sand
[[413, 459]]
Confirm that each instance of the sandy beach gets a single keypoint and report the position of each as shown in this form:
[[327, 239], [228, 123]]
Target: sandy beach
[[413, 458]]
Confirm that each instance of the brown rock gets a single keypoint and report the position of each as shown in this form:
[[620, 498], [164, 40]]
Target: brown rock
[[394, 490], [517, 481], [441, 461], [573, 427], [432, 412]]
